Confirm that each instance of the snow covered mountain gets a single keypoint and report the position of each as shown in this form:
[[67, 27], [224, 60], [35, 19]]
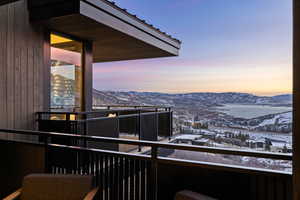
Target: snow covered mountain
[[187, 99]]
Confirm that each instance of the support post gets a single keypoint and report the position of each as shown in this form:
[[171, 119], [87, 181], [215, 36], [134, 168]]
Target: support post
[[171, 125], [156, 124], [296, 100], [153, 178], [139, 128], [87, 82], [118, 123]]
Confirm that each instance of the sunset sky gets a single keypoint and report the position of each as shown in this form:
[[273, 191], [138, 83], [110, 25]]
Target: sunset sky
[[228, 46]]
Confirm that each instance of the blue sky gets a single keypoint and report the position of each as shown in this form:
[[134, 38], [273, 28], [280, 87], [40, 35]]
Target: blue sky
[[228, 45]]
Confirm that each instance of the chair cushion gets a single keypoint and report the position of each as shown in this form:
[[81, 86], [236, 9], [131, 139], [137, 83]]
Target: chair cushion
[[55, 187], [189, 195]]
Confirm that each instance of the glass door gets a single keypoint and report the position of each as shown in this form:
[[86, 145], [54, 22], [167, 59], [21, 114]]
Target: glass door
[[66, 73]]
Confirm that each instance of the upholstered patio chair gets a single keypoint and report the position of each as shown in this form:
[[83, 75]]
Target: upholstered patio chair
[[55, 187]]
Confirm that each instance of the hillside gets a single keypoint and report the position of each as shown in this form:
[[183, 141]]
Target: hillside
[[186, 100], [281, 122]]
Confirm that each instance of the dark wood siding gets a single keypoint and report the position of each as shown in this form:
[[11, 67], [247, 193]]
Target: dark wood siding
[[24, 67]]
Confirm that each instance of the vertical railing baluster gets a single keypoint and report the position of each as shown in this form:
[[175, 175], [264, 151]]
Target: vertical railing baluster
[[121, 179], [106, 177], [143, 180], [101, 177], [116, 177], [126, 178], [69, 166], [47, 162], [153, 174], [84, 162], [111, 178], [77, 162], [137, 180], [131, 178], [148, 181], [92, 167], [97, 170], [85, 127]]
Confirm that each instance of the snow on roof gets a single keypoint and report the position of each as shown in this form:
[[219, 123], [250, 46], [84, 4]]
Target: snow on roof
[[261, 140], [187, 137], [202, 140], [279, 144], [207, 132]]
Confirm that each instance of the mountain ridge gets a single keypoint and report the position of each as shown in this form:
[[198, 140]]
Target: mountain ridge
[[186, 99]]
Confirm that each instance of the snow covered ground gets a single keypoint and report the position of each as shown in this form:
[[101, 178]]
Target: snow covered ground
[[256, 135]]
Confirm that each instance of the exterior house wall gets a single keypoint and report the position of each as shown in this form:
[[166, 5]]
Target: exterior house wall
[[24, 67]]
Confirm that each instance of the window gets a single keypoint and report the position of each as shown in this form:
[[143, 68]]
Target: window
[[66, 73]]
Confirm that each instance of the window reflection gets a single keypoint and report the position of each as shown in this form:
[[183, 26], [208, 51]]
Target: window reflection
[[66, 73]]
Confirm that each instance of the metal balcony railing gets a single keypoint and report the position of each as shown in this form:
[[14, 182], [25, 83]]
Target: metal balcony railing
[[151, 123], [135, 176]]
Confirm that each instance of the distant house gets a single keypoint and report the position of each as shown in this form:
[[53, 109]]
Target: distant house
[[281, 147], [256, 143], [188, 123], [201, 142], [186, 138], [208, 134], [187, 130]]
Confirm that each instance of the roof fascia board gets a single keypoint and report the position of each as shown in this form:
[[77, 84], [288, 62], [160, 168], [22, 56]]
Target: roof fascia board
[[130, 20], [109, 20]]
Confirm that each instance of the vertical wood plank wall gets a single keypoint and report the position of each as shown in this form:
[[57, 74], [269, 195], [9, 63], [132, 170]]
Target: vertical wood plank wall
[[24, 67]]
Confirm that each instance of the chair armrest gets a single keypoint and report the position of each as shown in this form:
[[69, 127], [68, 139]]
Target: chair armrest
[[91, 194], [14, 195]]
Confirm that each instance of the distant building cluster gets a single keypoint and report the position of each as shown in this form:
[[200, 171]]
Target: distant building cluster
[[189, 131]]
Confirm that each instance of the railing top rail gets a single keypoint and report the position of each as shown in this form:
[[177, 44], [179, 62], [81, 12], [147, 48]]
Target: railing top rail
[[116, 117], [183, 162], [215, 150], [222, 166], [123, 116], [96, 111], [175, 161], [113, 105], [132, 106]]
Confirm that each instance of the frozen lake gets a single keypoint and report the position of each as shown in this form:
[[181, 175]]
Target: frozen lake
[[251, 111]]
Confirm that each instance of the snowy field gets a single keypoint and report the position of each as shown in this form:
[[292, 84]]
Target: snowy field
[[256, 135]]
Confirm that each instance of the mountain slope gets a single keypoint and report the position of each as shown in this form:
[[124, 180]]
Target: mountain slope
[[183, 100]]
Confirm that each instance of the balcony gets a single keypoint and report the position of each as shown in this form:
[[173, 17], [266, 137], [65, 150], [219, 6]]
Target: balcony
[[147, 175], [131, 122]]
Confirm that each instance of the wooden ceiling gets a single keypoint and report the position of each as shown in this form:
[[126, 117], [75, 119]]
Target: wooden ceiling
[[108, 44]]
